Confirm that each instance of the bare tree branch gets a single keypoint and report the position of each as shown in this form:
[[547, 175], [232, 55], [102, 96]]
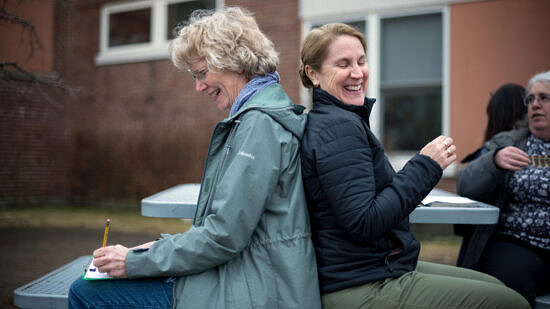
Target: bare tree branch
[[13, 76], [12, 72], [26, 27]]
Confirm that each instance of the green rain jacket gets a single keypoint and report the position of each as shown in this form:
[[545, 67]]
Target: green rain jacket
[[250, 244]]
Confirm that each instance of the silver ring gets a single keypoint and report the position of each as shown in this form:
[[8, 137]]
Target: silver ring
[[449, 152]]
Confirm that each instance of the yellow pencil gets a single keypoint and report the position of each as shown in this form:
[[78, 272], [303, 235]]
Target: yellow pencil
[[106, 232]]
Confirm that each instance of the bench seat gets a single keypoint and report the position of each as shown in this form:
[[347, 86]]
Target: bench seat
[[52, 289]]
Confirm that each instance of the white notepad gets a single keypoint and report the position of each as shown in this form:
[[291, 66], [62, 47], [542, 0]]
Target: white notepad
[[448, 201], [92, 273]]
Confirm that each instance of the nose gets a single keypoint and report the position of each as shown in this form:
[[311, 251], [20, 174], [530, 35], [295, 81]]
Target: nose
[[356, 71], [536, 104], [200, 86]]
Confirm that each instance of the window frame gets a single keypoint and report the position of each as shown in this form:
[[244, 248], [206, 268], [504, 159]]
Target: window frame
[[155, 49]]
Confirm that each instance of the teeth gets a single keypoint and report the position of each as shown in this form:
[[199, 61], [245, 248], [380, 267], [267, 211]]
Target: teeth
[[354, 88]]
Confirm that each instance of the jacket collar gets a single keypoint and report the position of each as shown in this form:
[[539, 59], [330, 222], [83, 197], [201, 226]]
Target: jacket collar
[[322, 97], [273, 101]]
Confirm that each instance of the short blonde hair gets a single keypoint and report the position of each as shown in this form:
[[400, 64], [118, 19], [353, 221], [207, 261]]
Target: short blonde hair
[[316, 44], [229, 39]]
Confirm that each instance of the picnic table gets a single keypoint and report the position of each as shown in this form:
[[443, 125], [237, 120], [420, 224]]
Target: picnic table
[[51, 290], [181, 202]]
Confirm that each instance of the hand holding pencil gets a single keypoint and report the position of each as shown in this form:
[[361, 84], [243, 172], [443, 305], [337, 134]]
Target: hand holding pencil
[[110, 259]]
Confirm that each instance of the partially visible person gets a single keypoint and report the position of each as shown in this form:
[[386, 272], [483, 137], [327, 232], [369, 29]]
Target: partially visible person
[[250, 244], [359, 206], [505, 111], [514, 174]]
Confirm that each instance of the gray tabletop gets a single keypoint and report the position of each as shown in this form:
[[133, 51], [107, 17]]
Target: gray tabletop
[[482, 214], [176, 202], [181, 202]]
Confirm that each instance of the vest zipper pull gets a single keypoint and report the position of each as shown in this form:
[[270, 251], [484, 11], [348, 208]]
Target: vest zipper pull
[[387, 262]]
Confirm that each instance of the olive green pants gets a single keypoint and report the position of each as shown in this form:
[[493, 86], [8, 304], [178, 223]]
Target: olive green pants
[[429, 286]]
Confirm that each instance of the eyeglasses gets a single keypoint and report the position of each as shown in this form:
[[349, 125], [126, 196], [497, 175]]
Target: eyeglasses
[[543, 98], [200, 75]]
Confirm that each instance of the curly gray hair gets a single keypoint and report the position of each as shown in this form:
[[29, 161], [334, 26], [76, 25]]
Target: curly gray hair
[[228, 39]]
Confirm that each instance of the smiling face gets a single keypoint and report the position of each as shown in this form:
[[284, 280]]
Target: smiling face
[[224, 86], [344, 73], [539, 112]]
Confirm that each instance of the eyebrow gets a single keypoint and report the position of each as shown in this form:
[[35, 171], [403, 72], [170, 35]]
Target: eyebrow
[[349, 59]]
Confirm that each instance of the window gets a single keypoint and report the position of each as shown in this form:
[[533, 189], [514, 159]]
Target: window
[[411, 81], [131, 27], [358, 25], [140, 30], [180, 11]]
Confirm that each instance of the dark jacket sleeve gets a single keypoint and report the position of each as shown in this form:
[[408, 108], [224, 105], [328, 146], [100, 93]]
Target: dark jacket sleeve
[[480, 179], [350, 174]]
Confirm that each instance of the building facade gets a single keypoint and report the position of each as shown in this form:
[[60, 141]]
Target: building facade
[[138, 126]]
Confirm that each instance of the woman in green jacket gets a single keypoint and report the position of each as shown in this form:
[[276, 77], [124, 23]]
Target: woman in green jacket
[[250, 244]]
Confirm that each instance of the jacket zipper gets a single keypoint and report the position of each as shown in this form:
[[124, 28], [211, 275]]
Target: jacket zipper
[[227, 148], [387, 262], [204, 174]]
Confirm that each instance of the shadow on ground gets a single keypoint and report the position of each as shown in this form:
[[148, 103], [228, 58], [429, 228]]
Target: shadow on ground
[[29, 253]]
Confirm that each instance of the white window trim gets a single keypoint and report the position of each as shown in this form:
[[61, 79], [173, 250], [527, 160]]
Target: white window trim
[[373, 19], [319, 9], [156, 49]]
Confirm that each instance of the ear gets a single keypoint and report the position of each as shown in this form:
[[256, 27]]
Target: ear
[[313, 75]]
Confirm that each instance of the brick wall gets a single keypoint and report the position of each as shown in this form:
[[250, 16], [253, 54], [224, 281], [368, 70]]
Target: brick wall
[[32, 143], [33, 139]]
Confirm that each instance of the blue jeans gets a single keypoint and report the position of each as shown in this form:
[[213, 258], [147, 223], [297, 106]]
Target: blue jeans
[[124, 293]]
